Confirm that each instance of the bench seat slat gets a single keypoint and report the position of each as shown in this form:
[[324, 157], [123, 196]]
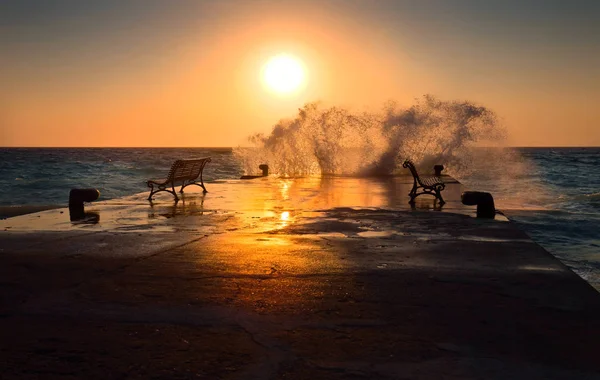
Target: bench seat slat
[[431, 181]]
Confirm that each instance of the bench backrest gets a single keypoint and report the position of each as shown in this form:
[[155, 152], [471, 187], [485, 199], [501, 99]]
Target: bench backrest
[[413, 170], [187, 169]]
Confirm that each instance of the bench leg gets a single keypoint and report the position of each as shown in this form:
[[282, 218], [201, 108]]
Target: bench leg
[[438, 195], [173, 192], [413, 193], [162, 188], [193, 183]]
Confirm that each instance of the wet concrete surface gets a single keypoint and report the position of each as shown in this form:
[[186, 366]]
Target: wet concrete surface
[[334, 278]]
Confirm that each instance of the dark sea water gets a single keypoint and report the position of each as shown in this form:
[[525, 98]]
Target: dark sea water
[[555, 198], [40, 176]]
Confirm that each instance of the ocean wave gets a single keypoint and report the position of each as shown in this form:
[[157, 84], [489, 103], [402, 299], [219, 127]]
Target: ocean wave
[[592, 196], [580, 202], [337, 140]]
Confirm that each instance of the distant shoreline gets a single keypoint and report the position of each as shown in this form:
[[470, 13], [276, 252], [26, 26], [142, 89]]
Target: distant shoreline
[[11, 211]]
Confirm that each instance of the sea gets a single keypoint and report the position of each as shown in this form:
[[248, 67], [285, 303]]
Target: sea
[[554, 196]]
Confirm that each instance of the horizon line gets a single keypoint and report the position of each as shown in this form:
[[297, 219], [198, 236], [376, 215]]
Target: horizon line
[[232, 147]]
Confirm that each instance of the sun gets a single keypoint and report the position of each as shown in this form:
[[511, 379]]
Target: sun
[[283, 74]]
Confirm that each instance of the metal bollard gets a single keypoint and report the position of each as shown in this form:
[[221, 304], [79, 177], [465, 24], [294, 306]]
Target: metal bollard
[[265, 172], [76, 199], [265, 169], [484, 202]]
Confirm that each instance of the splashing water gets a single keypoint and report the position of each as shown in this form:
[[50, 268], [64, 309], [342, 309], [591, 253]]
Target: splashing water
[[338, 141]]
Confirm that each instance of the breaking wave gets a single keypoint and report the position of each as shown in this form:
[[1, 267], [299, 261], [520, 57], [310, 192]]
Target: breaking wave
[[334, 140]]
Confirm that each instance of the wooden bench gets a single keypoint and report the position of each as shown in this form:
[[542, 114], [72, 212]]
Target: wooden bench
[[428, 185], [184, 172]]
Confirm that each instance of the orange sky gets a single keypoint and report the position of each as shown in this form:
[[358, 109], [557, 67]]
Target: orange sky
[[153, 74]]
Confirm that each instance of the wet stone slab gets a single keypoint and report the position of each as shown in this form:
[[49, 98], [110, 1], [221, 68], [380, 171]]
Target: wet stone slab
[[335, 279]]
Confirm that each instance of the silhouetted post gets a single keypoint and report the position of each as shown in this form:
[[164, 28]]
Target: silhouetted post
[[265, 169], [484, 202], [76, 199], [438, 169]]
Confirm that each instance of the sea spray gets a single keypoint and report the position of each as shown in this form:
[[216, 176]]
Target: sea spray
[[335, 140], [466, 138]]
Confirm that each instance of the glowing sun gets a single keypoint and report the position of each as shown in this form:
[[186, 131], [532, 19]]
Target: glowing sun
[[283, 74]]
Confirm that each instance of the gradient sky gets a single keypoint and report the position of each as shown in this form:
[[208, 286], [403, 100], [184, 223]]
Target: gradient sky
[[187, 73]]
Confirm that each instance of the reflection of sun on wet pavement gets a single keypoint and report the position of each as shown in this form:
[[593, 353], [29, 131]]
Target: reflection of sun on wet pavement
[[267, 204], [285, 219], [285, 187], [282, 263]]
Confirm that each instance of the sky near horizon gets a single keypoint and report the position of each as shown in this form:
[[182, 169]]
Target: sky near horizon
[[188, 73]]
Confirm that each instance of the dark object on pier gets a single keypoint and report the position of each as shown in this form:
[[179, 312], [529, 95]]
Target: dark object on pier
[[265, 172], [76, 199], [265, 169], [438, 170], [184, 172], [483, 201], [429, 185]]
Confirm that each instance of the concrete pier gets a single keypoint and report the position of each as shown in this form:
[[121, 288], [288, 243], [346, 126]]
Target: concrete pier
[[320, 278]]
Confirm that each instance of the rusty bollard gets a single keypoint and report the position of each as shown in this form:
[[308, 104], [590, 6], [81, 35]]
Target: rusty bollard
[[265, 169], [484, 202], [76, 199]]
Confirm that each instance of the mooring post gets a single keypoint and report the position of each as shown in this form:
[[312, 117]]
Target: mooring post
[[484, 202], [265, 169], [76, 199]]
